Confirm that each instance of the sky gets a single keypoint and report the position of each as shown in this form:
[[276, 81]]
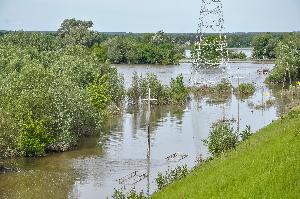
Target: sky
[[149, 15]]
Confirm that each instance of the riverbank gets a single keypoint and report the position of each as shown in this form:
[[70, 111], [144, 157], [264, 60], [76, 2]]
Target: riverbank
[[265, 166]]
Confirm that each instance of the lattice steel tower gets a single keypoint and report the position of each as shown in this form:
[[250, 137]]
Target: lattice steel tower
[[210, 21]]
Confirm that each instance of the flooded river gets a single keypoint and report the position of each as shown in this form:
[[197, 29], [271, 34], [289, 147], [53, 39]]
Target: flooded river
[[102, 163]]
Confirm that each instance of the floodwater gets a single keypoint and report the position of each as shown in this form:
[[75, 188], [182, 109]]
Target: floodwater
[[93, 169]]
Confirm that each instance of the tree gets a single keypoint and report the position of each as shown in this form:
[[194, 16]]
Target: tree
[[75, 32], [264, 46], [209, 50], [287, 60]]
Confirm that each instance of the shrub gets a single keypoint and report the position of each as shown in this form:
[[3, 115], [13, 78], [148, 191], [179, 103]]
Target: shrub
[[236, 55], [133, 92], [132, 194], [170, 176], [223, 87], [245, 90], [178, 91], [221, 137], [245, 134], [34, 138]]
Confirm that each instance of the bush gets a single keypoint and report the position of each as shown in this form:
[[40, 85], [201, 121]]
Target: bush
[[221, 137], [34, 138], [245, 90], [133, 92], [223, 87], [176, 93], [236, 55], [245, 134], [119, 194], [170, 176]]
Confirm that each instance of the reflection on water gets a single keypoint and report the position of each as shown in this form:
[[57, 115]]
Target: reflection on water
[[92, 170]]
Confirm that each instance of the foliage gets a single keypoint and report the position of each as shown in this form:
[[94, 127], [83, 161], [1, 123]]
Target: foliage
[[245, 90], [133, 92], [176, 93], [236, 55], [264, 46], [119, 194], [224, 86], [246, 133], [287, 66], [34, 138], [255, 169], [218, 93], [99, 94], [209, 50], [74, 32], [171, 175], [64, 86], [100, 51], [149, 49], [8, 141], [221, 137]]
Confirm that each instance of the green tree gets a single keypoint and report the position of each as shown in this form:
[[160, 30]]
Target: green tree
[[74, 32], [287, 65], [264, 46], [209, 50]]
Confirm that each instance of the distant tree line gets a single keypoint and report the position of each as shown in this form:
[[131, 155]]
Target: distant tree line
[[156, 48]]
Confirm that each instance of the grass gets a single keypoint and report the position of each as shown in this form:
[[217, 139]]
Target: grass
[[267, 165]]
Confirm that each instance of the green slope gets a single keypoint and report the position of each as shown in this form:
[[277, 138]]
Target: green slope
[[265, 166]]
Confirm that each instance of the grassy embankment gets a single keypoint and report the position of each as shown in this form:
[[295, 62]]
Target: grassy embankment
[[265, 166]]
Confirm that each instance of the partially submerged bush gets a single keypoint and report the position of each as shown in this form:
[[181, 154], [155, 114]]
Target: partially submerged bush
[[245, 90], [218, 93], [224, 86], [236, 55], [221, 137], [170, 176], [176, 93], [132, 194]]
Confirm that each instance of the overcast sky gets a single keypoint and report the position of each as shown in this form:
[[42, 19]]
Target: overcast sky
[[149, 15]]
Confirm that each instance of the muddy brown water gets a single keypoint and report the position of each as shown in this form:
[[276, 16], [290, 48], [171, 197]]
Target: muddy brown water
[[93, 169]]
